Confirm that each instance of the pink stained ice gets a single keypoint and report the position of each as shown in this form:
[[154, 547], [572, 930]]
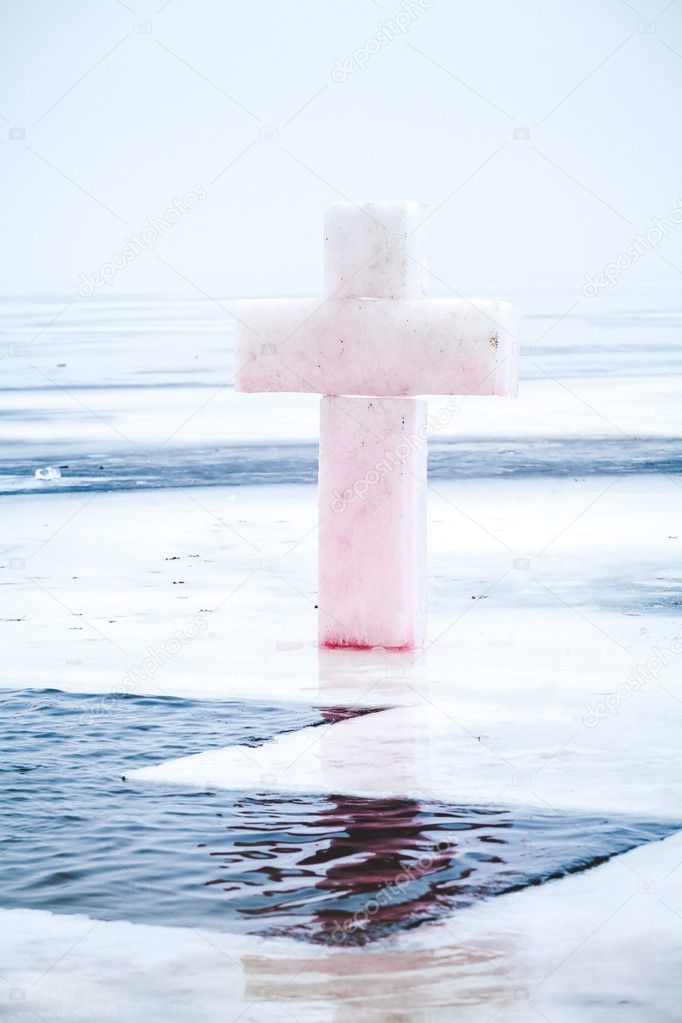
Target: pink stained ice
[[372, 535], [389, 347]]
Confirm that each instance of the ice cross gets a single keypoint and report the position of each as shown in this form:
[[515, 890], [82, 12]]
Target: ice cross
[[374, 339]]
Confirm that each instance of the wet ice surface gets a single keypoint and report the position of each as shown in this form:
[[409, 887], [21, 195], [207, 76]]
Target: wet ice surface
[[235, 465], [341, 870]]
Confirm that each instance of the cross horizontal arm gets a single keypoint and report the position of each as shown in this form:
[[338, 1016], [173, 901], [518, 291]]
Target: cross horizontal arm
[[385, 347]]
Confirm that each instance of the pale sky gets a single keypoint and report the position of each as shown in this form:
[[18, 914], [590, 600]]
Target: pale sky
[[110, 111]]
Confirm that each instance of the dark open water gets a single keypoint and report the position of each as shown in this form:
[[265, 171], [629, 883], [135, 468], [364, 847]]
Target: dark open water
[[234, 465], [76, 837]]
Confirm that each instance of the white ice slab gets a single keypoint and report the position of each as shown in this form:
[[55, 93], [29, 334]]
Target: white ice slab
[[429, 751]]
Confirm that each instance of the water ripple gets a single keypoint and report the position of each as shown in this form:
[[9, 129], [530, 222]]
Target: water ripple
[[332, 869]]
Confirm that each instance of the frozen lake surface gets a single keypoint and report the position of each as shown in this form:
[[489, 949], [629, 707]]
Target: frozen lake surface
[[543, 716]]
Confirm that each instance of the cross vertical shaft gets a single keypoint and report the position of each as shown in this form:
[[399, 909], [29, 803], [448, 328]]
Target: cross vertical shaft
[[372, 480]]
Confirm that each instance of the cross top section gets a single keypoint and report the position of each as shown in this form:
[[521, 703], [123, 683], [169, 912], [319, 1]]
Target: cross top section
[[375, 332]]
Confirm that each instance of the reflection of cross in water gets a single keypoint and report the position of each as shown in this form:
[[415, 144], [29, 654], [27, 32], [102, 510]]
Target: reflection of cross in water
[[376, 865], [380, 849], [347, 870]]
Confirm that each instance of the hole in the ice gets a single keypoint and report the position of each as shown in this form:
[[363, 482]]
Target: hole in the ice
[[332, 869]]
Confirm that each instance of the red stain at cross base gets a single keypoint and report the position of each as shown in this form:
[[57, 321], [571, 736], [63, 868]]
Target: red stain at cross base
[[331, 644]]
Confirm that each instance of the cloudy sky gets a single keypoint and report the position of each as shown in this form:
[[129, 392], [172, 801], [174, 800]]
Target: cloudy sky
[[543, 134]]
